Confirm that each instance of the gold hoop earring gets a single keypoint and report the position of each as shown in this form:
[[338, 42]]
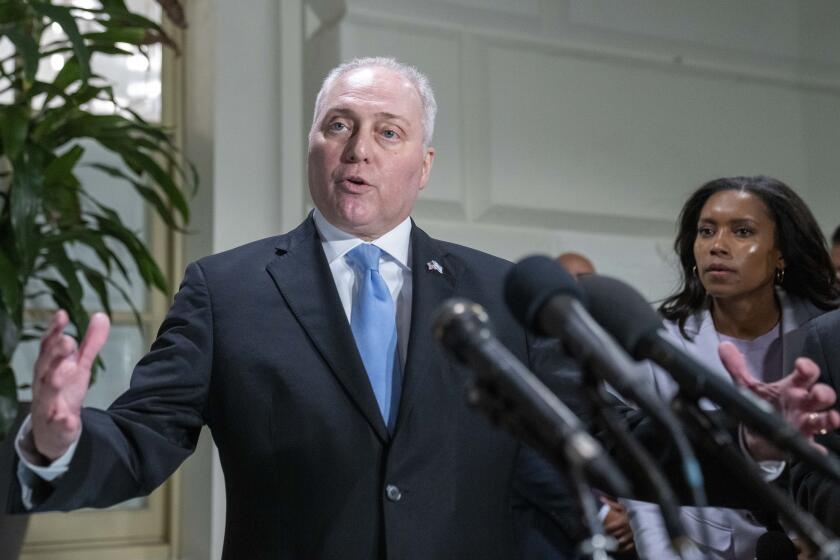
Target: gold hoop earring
[[780, 276]]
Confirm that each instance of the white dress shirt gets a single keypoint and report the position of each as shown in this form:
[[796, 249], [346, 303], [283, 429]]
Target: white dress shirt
[[394, 267]]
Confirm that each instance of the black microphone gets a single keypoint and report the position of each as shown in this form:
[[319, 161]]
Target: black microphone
[[522, 400], [775, 545], [625, 314], [546, 299]]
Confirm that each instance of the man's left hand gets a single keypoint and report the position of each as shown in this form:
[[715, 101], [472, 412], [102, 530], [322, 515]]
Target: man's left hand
[[799, 398]]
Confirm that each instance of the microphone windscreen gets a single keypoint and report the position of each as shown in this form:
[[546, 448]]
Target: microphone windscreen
[[531, 283], [775, 545], [620, 310], [456, 321]]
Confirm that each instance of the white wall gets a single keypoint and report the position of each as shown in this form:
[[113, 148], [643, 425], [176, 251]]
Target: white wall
[[563, 125]]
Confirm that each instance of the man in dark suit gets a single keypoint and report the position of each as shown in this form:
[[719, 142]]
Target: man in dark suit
[[331, 448], [818, 340], [813, 491]]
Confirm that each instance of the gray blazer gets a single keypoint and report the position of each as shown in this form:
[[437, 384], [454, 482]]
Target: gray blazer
[[732, 533]]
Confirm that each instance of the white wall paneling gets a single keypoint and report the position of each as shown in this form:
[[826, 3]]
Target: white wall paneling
[[609, 136]]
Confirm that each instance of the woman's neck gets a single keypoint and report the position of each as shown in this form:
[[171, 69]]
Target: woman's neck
[[746, 317]]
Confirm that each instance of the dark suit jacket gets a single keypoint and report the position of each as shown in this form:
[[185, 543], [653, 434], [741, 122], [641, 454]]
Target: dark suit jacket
[[814, 491], [257, 346]]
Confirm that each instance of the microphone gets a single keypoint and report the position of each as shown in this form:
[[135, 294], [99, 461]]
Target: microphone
[[625, 314], [546, 299], [521, 400]]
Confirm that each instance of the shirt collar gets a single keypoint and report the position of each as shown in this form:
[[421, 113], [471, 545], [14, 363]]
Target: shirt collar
[[337, 243]]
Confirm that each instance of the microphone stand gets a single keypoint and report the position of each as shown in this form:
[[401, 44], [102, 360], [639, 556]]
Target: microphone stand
[[485, 396], [640, 461], [707, 431], [599, 544], [603, 361]]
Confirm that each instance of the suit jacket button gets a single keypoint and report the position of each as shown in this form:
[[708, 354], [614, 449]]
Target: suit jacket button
[[393, 493]]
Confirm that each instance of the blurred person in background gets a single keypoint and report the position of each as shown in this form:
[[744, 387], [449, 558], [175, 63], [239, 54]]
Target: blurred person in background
[[576, 264]]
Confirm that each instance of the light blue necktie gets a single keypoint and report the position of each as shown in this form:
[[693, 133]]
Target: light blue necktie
[[373, 320]]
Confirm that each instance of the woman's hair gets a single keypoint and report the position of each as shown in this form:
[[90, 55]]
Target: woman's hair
[[809, 273]]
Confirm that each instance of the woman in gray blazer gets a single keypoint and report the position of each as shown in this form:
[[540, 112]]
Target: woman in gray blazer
[[755, 266]]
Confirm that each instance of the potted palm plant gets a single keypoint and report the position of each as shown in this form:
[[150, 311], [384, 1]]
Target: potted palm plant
[[47, 216]]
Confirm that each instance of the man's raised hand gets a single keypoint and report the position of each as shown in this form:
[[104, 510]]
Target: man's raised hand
[[801, 400], [60, 381]]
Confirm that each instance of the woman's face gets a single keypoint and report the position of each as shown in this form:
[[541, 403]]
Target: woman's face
[[735, 248]]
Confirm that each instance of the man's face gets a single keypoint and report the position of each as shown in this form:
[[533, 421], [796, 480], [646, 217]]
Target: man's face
[[835, 258], [367, 162]]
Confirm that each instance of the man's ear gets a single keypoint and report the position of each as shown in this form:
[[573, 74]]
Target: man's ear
[[428, 159]]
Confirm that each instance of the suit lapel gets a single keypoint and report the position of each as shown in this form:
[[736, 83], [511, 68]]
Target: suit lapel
[[431, 285], [302, 274]]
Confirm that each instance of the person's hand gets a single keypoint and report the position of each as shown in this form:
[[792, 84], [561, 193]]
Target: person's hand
[[806, 549], [60, 381], [617, 525], [802, 401]]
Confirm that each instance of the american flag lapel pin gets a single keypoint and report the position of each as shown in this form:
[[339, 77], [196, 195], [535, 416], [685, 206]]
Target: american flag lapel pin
[[434, 266]]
